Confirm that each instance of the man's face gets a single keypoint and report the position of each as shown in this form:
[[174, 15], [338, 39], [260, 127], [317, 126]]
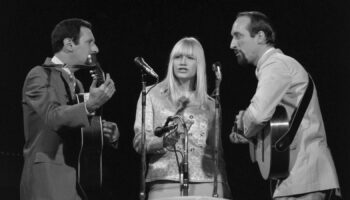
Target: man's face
[[85, 46], [244, 46]]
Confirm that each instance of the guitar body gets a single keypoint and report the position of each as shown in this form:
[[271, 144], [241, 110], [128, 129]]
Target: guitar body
[[90, 156], [273, 164]]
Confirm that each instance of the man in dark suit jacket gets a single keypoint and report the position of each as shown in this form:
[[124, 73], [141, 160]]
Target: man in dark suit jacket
[[53, 119]]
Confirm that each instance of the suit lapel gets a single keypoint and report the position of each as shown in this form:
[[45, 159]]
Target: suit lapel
[[67, 82]]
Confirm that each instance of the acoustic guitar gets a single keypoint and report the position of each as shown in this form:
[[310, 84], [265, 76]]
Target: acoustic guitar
[[89, 169], [273, 163]]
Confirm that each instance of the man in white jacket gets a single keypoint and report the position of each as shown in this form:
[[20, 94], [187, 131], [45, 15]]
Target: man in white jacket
[[283, 81]]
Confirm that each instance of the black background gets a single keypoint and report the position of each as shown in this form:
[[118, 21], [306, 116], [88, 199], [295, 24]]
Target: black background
[[316, 33]]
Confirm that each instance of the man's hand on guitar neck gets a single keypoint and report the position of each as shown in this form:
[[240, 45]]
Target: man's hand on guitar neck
[[237, 134], [100, 95]]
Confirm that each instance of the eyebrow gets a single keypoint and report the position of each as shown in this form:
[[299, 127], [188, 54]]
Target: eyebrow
[[237, 33], [90, 40]]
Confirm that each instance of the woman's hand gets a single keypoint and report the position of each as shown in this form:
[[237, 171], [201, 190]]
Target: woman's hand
[[171, 137]]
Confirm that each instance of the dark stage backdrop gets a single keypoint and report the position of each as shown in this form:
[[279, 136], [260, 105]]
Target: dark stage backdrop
[[316, 33]]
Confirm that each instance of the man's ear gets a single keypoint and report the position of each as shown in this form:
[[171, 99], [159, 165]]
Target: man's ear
[[68, 45], [261, 37]]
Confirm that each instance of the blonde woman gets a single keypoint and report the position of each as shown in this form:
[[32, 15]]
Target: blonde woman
[[182, 93]]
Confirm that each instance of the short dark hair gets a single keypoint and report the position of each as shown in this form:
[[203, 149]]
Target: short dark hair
[[260, 22], [68, 28]]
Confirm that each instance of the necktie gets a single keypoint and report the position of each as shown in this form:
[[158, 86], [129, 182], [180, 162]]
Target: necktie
[[72, 80], [72, 83]]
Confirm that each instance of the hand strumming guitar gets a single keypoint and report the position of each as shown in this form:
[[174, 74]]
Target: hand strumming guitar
[[100, 95]]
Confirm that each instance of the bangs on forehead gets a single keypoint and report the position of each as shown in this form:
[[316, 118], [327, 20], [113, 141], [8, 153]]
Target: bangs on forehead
[[184, 48]]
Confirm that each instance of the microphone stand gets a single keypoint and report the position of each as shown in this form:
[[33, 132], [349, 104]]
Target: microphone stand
[[184, 176], [144, 70], [143, 140], [216, 95]]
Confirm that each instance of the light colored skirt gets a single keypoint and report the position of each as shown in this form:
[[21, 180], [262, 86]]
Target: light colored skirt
[[164, 189]]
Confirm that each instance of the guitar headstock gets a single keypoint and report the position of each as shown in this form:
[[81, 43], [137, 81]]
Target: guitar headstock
[[96, 71]]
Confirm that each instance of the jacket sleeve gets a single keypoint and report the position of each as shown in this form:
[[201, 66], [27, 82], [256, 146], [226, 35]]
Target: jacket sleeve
[[40, 94], [274, 82]]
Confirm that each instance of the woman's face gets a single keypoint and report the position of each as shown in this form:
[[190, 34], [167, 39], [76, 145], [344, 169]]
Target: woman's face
[[185, 66]]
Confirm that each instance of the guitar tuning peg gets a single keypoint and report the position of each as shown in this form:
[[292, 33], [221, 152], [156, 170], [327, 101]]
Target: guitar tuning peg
[[94, 76]]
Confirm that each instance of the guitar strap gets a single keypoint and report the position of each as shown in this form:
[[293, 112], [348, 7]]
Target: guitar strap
[[283, 143]]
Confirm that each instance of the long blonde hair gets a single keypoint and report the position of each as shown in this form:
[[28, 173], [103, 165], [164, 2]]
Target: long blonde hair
[[188, 46]]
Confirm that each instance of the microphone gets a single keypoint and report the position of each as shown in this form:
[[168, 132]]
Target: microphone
[[139, 61], [160, 131], [181, 105], [217, 70]]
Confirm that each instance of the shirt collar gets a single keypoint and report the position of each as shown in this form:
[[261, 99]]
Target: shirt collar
[[263, 56], [57, 61]]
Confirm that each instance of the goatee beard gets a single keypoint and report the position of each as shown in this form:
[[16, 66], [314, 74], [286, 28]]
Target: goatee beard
[[242, 60]]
